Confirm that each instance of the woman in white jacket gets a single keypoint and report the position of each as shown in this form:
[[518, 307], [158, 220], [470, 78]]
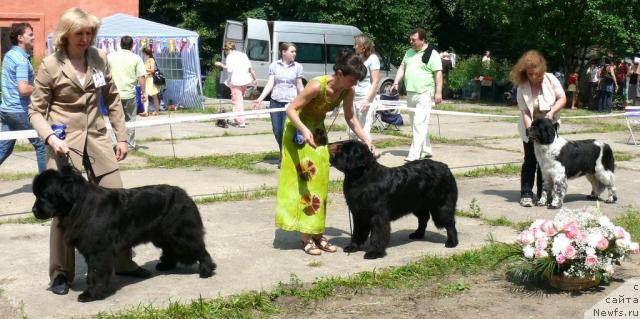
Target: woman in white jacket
[[540, 95]]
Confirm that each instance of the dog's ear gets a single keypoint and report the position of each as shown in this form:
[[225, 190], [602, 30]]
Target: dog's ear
[[358, 155], [549, 131]]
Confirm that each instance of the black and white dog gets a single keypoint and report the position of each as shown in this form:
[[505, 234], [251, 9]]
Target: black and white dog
[[560, 159]]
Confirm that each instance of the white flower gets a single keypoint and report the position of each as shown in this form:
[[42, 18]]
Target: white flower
[[560, 241], [594, 238], [528, 251], [590, 251], [537, 223], [606, 222]]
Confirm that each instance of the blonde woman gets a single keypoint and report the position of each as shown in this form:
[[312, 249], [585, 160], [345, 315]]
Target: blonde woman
[[540, 95], [151, 88], [365, 90], [66, 92]]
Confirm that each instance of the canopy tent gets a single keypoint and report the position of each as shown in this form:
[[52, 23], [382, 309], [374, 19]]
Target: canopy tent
[[175, 51]]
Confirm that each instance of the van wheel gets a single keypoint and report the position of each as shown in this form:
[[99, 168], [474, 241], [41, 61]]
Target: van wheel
[[385, 88]]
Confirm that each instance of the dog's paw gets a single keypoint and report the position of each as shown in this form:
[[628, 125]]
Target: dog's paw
[[165, 266], [374, 254], [416, 235], [611, 200], [206, 271], [86, 296], [352, 248], [554, 205], [451, 243]]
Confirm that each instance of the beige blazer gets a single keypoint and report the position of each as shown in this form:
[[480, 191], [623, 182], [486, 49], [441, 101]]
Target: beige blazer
[[58, 98], [551, 91]]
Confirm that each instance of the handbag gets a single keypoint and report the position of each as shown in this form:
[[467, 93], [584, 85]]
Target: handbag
[[158, 77]]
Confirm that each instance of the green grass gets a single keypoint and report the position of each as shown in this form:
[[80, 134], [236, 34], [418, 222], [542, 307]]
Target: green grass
[[478, 110], [392, 142], [16, 176], [242, 161], [630, 220], [20, 147], [22, 220], [619, 156], [314, 264], [234, 196], [263, 303], [502, 170]]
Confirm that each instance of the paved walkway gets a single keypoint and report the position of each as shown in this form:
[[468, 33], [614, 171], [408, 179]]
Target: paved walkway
[[250, 252]]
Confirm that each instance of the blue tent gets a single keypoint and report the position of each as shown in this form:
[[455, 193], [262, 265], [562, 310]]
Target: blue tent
[[175, 50]]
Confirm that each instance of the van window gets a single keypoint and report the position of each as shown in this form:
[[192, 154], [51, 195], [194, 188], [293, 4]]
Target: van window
[[258, 50], [333, 49], [310, 53]]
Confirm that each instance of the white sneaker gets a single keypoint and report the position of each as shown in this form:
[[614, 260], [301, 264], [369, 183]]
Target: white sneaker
[[526, 202]]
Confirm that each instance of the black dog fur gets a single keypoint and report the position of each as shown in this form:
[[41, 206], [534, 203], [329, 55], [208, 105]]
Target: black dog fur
[[377, 195], [99, 222]]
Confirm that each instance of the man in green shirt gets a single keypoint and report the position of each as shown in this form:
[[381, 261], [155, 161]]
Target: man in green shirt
[[423, 82], [127, 69]]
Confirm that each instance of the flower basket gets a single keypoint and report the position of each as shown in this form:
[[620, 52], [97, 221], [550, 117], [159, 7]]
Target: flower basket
[[572, 283], [573, 251]]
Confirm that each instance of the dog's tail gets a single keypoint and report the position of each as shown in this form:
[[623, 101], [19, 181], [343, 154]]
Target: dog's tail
[[607, 158]]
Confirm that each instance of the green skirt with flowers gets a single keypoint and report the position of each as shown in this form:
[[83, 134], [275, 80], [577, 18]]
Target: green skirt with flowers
[[304, 180]]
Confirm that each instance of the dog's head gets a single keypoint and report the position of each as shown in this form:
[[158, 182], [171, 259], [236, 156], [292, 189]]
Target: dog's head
[[56, 192], [542, 131], [350, 155]]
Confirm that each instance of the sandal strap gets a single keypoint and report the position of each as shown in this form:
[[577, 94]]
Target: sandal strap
[[311, 248]]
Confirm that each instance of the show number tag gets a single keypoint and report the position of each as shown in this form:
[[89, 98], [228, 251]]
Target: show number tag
[[98, 78]]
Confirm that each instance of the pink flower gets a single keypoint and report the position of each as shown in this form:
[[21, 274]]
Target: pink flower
[[560, 259], [609, 269], [548, 228], [571, 230], [591, 260], [541, 253], [603, 244], [582, 236], [525, 237], [618, 232], [541, 243], [569, 252]]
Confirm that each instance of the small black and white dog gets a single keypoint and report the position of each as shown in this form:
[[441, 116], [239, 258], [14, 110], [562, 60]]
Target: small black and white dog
[[377, 195], [560, 159]]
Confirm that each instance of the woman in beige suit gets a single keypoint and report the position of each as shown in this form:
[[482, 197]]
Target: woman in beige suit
[[66, 92]]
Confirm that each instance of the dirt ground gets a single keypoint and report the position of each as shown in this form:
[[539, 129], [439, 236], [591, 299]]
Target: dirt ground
[[489, 295]]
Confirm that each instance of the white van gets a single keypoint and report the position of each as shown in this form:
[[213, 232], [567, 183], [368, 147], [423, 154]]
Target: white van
[[317, 45]]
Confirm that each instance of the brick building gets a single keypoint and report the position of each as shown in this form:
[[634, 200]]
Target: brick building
[[43, 15]]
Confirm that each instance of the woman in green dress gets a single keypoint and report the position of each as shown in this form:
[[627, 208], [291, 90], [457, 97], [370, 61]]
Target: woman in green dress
[[304, 174]]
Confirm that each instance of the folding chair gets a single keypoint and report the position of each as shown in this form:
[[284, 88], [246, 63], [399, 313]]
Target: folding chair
[[632, 115], [384, 119]]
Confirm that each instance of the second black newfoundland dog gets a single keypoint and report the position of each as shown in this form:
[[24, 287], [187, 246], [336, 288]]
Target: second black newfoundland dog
[[99, 222], [376, 195]]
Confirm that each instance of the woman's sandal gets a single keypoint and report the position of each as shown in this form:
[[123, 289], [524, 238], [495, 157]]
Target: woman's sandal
[[325, 245], [143, 114], [310, 248]]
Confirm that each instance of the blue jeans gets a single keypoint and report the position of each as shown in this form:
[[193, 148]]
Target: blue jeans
[[16, 122], [277, 121], [604, 101]]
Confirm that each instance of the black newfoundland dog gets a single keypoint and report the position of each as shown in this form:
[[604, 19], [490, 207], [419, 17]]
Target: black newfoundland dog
[[99, 222], [560, 159], [376, 195]]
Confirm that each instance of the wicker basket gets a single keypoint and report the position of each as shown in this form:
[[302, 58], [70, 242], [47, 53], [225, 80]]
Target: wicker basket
[[572, 283]]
